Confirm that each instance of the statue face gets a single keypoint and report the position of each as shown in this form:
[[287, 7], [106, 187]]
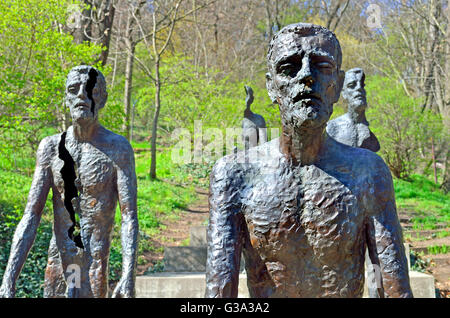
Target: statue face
[[83, 96], [353, 90], [304, 79]]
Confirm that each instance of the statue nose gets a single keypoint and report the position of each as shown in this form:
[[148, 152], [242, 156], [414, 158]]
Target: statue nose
[[82, 93], [305, 73]]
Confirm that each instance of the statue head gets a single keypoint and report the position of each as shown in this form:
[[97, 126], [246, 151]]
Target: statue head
[[85, 93], [353, 90], [249, 96], [304, 77]]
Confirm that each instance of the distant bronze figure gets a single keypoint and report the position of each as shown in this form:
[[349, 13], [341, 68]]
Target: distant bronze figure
[[89, 169], [352, 128], [304, 210], [253, 125]]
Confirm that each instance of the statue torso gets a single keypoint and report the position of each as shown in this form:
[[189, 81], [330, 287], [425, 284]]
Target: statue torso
[[350, 133], [307, 226], [96, 176]]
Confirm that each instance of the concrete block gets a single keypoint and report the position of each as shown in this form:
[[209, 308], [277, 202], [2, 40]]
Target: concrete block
[[187, 259], [422, 285], [184, 259], [198, 236], [193, 285], [179, 285]]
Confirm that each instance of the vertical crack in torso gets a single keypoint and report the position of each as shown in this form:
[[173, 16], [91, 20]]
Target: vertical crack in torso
[[70, 190]]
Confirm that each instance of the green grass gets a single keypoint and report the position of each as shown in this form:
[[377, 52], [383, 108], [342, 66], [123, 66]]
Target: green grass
[[13, 197], [421, 195], [442, 234], [438, 249]]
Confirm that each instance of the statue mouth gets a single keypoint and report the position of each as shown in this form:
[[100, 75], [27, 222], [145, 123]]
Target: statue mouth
[[82, 105], [306, 97]]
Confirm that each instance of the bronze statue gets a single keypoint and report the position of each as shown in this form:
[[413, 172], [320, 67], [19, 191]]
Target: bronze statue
[[89, 169], [253, 125], [304, 210], [352, 128]]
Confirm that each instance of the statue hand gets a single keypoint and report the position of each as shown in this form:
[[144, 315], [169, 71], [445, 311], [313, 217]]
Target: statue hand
[[124, 289]]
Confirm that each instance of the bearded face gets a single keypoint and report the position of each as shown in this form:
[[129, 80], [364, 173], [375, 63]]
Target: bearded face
[[304, 79], [83, 95]]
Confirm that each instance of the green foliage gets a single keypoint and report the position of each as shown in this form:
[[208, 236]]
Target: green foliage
[[404, 130], [35, 56], [422, 195], [418, 262], [12, 204], [430, 204], [188, 94], [438, 249]]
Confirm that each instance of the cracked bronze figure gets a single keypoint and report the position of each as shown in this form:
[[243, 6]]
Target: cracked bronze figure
[[89, 169], [305, 207], [253, 125], [352, 128]]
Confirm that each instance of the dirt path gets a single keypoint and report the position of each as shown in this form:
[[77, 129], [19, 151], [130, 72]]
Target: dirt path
[[175, 232]]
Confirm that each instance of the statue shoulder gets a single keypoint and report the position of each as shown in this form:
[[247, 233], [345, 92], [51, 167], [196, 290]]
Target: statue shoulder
[[333, 125], [48, 149], [232, 170], [117, 141]]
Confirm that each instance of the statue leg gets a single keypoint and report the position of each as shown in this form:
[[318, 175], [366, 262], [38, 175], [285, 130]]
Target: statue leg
[[54, 282]]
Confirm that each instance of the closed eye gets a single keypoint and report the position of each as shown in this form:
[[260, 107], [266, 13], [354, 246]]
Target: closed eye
[[288, 69], [73, 89]]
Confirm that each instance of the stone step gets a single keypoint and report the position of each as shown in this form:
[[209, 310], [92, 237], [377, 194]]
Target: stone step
[[193, 285], [184, 259], [424, 233], [187, 259], [438, 226], [198, 236]]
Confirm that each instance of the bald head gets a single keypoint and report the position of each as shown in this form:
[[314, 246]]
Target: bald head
[[328, 38]]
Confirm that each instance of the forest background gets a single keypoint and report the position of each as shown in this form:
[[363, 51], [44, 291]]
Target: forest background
[[170, 63]]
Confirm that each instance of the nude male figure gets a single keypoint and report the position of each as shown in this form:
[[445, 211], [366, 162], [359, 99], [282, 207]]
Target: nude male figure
[[352, 128], [89, 169], [305, 208]]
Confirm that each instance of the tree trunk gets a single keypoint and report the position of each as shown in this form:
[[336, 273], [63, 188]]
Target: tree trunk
[[105, 28], [155, 119], [128, 85]]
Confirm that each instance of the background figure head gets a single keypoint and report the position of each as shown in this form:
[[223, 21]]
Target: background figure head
[[249, 96], [85, 93], [353, 90], [304, 77]]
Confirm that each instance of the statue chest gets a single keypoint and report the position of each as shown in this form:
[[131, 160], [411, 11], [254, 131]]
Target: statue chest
[[89, 169], [302, 211]]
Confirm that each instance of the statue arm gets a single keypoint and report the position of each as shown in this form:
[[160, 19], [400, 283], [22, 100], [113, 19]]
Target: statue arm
[[224, 235], [25, 232], [127, 191], [384, 238]]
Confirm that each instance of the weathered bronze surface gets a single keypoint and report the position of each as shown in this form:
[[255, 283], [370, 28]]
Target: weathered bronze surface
[[89, 169], [305, 207], [352, 128], [253, 125]]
